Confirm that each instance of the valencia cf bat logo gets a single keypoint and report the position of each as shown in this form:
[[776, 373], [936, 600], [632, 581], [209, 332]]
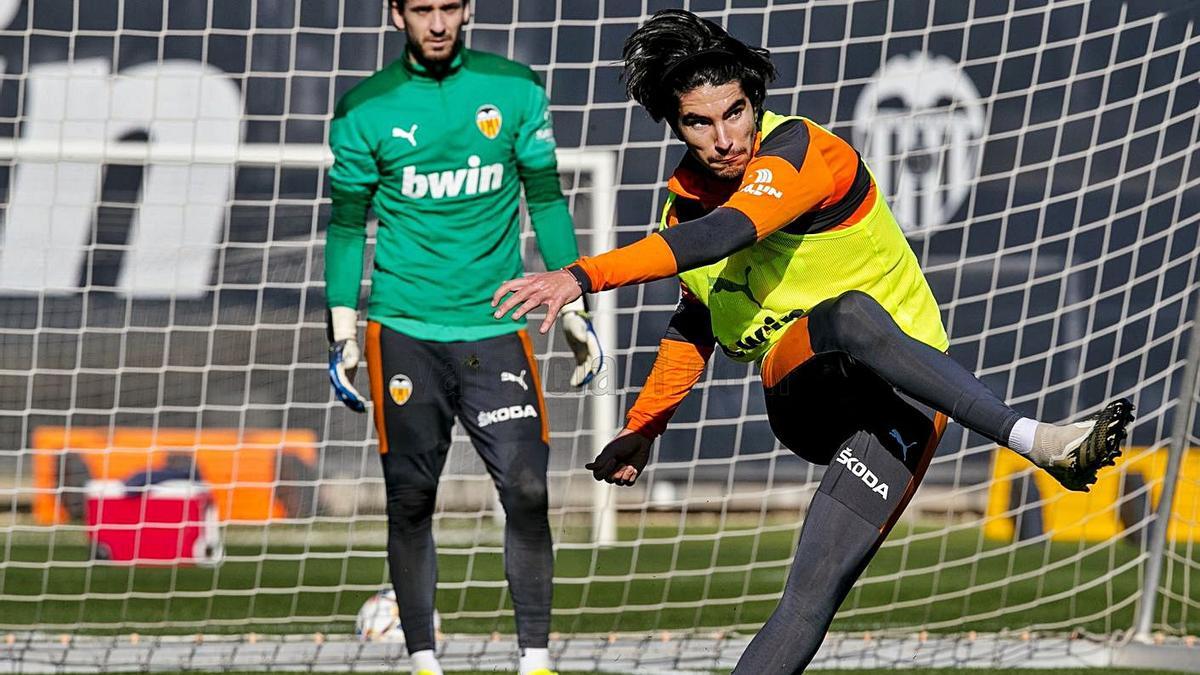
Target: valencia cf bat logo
[[489, 121], [400, 387]]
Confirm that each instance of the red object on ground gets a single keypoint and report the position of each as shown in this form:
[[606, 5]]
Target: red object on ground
[[149, 529]]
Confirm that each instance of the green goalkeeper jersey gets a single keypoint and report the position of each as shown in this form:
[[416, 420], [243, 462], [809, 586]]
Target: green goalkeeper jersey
[[441, 161]]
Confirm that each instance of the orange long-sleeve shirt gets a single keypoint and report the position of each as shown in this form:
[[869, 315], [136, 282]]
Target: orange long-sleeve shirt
[[682, 357]]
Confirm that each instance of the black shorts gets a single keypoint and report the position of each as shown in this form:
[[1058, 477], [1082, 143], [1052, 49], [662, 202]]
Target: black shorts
[[818, 406], [491, 386]]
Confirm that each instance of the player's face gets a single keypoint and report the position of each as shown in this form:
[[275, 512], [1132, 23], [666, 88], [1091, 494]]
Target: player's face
[[717, 124], [432, 27]]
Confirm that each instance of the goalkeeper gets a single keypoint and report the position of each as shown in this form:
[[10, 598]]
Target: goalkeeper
[[440, 144], [789, 257]]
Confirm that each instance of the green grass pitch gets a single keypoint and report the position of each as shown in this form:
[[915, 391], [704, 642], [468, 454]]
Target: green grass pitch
[[277, 588]]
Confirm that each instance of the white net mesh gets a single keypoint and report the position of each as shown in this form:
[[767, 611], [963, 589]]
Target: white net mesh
[[162, 308]]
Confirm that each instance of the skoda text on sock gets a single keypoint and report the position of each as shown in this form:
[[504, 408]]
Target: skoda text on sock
[[856, 467]]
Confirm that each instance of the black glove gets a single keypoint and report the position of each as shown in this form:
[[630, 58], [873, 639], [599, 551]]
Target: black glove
[[627, 450]]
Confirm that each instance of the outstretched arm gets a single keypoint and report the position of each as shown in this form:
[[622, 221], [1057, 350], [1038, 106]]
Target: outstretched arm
[[791, 175], [682, 357]]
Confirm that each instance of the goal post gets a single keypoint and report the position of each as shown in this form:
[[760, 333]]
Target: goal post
[[599, 165], [162, 310]]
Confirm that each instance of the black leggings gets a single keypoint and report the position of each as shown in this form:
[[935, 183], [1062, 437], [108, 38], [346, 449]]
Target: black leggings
[[491, 387], [833, 411], [864, 404], [855, 325]]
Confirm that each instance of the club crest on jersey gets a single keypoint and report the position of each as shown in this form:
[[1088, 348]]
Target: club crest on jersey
[[489, 120], [400, 388]]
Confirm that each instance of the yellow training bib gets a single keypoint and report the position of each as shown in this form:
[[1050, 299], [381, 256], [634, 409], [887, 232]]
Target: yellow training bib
[[754, 294]]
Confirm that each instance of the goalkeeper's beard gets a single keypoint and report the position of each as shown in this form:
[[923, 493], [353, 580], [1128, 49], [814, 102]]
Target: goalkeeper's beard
[[438, 63]]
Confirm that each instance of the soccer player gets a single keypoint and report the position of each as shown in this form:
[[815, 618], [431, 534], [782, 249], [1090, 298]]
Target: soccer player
[[440, 143], [789, 257]]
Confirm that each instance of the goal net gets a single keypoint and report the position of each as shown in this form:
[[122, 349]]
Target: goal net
[[162, 323]]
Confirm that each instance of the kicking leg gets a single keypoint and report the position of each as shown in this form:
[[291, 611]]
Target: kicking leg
[[855, 324]]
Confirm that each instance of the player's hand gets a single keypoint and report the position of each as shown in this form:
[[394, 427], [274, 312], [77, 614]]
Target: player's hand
[[552, 289], [623, 459], [576, 325], [344, 356]]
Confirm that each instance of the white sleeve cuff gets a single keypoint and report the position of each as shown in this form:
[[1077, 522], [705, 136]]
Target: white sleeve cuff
[[343, 323]]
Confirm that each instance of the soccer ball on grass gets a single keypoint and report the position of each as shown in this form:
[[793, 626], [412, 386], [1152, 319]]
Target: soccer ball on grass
[[379, 618]]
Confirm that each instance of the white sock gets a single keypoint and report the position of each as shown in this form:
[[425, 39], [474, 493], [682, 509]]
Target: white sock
[[1020, 439], [425, 660], [534, 659]]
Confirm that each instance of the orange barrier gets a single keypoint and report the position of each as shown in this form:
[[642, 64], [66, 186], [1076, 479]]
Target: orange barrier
[[241, 466], [1095, 515]]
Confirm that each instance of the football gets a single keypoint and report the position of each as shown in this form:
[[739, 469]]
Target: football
[[379, 618]]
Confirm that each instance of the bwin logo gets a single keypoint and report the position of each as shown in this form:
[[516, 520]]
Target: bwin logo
[[512, 412], [856, 467], [471, 180]]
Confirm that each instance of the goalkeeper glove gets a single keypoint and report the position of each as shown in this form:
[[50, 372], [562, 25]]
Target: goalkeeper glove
[[623, 459], [577, 329], [344, 355]]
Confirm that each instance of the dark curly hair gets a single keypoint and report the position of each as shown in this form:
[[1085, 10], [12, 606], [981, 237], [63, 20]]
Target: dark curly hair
[[677, 51]]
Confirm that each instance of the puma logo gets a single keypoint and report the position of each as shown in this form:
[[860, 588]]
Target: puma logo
[[409, 135], [724, 285], [904, 447], [506, 376]]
